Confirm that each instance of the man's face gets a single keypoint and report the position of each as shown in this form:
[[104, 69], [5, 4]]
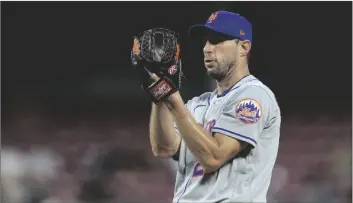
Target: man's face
[[221, 53]]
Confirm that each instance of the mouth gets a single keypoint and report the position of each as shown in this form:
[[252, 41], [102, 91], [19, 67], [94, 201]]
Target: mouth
[[208, 62]]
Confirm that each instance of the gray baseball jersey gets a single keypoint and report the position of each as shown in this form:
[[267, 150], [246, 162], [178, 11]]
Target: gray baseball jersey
[[248, 112]]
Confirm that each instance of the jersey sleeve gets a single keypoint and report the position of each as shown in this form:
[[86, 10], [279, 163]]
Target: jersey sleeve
[[245, 116]]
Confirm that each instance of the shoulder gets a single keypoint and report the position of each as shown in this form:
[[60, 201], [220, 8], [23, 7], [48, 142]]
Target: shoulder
[[253, 96], [255, 90]]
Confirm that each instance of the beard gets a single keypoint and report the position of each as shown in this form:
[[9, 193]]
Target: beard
[[221, 71]]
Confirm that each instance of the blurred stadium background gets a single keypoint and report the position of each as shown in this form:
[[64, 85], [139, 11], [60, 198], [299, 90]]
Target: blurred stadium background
[[74, 122]]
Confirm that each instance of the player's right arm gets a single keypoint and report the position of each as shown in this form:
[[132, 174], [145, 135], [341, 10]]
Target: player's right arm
[[165, 142]]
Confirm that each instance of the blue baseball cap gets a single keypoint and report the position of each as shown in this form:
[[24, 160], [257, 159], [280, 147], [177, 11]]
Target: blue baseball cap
[[226, 23]]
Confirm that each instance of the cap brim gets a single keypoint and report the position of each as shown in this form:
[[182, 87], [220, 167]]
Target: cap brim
[[198, 31]]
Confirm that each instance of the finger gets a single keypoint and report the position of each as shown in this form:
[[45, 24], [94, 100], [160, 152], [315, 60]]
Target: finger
[[154, 77]]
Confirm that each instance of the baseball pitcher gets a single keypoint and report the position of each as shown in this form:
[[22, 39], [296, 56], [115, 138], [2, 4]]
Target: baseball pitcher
[[226, 141]]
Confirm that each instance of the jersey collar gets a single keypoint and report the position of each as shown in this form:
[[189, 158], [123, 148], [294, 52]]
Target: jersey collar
[[242, 81]]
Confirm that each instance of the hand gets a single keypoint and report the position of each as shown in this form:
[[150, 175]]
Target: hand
[[172, 99], [162, 60], [174, 102]]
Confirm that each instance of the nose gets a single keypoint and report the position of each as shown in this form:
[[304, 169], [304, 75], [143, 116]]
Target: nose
[[208, 48]]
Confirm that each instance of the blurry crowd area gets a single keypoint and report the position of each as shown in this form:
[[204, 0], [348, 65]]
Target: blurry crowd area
[[109, 159]]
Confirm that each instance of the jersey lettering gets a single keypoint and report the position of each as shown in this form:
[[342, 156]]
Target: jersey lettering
[[210, 125], [198, 170]]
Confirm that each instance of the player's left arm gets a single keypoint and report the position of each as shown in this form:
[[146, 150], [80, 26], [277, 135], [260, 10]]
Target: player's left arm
[[232, 131]]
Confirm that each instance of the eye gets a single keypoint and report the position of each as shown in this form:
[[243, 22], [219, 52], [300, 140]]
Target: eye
[[215, 39]]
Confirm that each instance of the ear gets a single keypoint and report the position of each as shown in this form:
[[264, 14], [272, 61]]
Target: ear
[[245, 47]]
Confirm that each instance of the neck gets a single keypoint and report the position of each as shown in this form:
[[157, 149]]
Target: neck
[[235, 75]]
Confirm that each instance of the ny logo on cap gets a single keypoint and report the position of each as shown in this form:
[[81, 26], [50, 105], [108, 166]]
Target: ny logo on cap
[[242, 32], [212, 17]]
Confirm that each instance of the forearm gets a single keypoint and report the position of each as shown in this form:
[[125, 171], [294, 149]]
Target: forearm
[[163, 138], [203, 146]]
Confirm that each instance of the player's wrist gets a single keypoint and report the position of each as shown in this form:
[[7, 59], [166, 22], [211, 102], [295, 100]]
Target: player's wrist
[[177, 107], [174, 100]]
